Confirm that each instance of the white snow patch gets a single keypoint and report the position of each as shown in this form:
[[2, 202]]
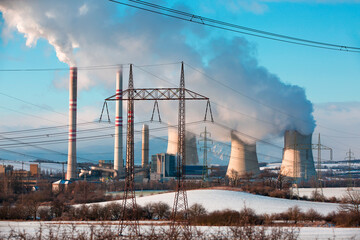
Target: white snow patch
[[328, 192], [31, 228], [214, 200]]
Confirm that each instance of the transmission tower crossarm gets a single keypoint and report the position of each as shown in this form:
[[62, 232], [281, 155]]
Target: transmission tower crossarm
[[160, 94]]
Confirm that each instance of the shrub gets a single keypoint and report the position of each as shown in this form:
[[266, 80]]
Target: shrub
[[312, 215], [161, 210]]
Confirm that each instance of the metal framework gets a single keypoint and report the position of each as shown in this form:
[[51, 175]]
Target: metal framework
[[319, 147], [205, 135], [180, 199], [157, 94], [129, 205], [350, 156]]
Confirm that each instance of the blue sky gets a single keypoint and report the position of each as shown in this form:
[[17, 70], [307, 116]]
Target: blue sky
[[330, 78]]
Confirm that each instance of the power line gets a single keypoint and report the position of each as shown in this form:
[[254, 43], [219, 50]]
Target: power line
[[48, 135], [245, 95], [85, 68], [18, 99], [261, 103], [23, 154], [28, 114], [39, 147], [44, 128], [193, 18]]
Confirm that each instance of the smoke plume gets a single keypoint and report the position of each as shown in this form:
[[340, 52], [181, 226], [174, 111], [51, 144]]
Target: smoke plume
[[92, 32]]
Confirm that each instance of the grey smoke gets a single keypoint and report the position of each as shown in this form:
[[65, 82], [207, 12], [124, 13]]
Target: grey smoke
[[91, 32]]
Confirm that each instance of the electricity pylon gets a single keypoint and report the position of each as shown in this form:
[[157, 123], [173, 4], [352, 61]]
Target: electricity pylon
[[205, 135], [156, 94], [349, 157]]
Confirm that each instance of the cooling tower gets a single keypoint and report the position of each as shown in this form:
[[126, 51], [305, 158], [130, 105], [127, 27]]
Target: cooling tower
[[71, 164], [243, 158], [298, 160], [145, 146], [118, 142], [190, 146]]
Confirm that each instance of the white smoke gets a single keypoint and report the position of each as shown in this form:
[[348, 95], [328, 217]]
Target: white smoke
[[92, 32]]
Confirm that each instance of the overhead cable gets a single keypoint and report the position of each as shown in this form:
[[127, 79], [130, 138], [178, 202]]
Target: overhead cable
[[193, 18]]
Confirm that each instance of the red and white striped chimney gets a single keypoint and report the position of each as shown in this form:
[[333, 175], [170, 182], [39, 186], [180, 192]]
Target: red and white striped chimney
[[118, 145], [71, 165]]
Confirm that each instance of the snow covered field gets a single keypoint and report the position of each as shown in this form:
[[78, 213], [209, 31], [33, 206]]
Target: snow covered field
[[214, 200], [31, 228], [328, 192]]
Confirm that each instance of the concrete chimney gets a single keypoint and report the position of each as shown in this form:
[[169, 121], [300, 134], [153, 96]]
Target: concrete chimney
[[145, 146], [298, 159], [243, 158], [118, 145], [71, 165]]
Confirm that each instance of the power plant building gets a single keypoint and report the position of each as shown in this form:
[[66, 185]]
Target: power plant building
[[298, 159], [163, 165], [191, 154], [243, 158]]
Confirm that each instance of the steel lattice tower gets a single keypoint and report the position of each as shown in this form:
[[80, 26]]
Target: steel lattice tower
[[129, 207], [180, 200], [205, 148], [157, 94]]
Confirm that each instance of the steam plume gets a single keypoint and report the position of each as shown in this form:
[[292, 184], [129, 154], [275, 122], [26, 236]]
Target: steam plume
[[91, 32]]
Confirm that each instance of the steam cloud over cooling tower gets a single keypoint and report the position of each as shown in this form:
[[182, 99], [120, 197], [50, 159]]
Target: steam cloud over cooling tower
[[298, 159], [252, 103], [243, 158], [190, 146]]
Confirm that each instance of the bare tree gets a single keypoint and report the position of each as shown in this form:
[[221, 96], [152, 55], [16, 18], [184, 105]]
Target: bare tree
[[351, 206], [161, 210], [351, 202]]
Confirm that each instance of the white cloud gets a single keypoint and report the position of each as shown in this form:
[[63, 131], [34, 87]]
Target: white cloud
[[338, 124]]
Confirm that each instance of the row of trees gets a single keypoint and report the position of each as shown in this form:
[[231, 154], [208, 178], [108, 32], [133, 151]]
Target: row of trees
[[111, 232], [348, 214]]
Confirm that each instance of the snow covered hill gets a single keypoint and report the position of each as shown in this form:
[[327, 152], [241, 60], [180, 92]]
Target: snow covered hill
[[214, 200]]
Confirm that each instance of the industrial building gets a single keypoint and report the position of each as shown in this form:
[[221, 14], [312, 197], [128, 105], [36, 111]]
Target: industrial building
[[163, 165], [297, 157]]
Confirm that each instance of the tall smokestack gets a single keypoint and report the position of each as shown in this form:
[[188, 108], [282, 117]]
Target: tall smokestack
[[71, 165], [118, 145], [298, 159], [190, 146], [145, 146], [243, 158]]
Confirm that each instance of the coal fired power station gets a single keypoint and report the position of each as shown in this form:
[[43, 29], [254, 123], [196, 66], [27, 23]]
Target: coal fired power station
[[298, 162], [243, 158], [71, 163]]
